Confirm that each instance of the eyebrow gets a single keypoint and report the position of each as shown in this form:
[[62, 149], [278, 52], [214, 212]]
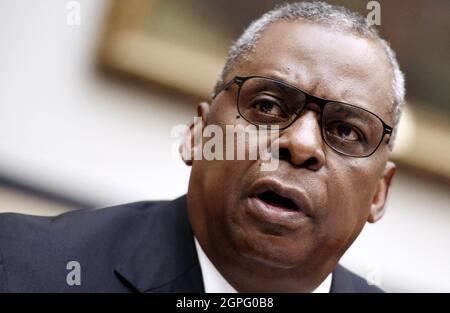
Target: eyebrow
[[292, 84], [348, 111], [275, 77], [346, 92]]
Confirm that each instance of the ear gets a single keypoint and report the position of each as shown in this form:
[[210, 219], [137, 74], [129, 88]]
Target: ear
[[379, 199], [189, 141]]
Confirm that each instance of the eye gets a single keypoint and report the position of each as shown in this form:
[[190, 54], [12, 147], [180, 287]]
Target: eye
[[268, 107], [345, 131]]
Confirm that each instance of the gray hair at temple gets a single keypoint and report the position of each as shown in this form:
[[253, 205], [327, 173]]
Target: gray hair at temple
[[319, 12]]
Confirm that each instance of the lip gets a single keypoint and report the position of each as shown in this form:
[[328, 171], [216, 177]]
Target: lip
[[290, 219]]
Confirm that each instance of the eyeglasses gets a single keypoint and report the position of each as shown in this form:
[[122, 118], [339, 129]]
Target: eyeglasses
[[347, 129]]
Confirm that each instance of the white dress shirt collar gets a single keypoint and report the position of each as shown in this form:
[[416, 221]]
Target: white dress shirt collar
[[214, 282]]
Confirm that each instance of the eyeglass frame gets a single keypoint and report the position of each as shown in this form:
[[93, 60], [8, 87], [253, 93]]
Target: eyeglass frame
[[240, 80]]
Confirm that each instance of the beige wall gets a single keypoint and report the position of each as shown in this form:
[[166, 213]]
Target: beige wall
[[13, 200]]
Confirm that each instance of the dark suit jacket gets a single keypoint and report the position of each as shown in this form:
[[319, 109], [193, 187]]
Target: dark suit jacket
[[137, 247]]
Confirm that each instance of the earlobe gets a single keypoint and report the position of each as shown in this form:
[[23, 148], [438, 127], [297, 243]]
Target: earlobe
[[377, 208], [186, 146], [193, 134]]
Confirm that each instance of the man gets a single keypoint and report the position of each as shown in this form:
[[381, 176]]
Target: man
[[333, 88]]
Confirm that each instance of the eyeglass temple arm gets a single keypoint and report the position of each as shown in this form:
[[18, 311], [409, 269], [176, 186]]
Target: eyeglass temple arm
[[388, 130]]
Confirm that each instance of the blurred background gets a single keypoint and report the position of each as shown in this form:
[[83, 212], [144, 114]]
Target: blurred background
[[88, 101]]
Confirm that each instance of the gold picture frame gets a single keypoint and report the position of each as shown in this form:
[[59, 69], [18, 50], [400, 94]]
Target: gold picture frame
[[129, 48]]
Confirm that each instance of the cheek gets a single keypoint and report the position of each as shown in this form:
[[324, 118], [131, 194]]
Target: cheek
[[225, 112], [350, 188], [353, 185], [221, 186], [222, 181], [223, 177]]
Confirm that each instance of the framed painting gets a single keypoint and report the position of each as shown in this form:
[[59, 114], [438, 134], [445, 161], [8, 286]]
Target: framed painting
[[179, 45]]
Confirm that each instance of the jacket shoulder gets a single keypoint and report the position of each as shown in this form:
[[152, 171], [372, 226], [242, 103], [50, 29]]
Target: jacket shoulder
[[35, 251], [345, 281], [70, 225]]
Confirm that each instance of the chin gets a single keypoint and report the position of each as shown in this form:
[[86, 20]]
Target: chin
[[264, 250], [267, 259]]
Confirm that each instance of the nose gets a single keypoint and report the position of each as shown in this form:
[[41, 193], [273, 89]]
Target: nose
[[301, 143]]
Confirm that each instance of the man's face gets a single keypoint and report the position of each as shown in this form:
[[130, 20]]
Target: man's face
[[245, 217]]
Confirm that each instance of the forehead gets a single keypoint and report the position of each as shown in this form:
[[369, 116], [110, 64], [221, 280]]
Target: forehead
[[327, 63]]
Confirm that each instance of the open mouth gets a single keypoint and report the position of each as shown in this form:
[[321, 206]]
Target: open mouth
[[277, 201]]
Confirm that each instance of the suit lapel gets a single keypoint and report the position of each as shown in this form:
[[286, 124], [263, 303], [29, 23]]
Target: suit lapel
[[343, 281], [164, 258]]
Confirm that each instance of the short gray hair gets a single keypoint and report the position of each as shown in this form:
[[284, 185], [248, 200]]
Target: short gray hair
[[319, 12]]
